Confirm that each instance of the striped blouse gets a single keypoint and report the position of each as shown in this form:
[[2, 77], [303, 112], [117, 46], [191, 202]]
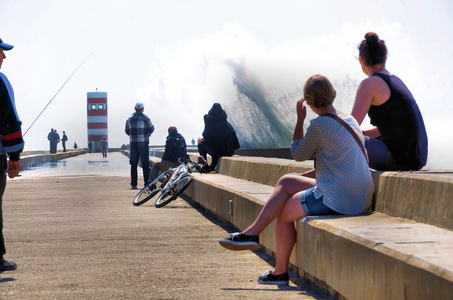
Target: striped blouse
[[342, 173]]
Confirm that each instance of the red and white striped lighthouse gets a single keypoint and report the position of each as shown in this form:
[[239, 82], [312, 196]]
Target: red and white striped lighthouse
[[97, 121]]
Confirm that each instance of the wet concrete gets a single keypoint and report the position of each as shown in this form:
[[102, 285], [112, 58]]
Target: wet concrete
[[74, 233]]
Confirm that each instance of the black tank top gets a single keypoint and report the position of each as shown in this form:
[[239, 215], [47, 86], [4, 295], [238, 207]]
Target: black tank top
[[401, 125]]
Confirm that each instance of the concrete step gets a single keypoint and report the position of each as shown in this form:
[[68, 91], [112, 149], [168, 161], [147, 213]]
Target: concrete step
[[263, 170], [423, 196], [374, 256]]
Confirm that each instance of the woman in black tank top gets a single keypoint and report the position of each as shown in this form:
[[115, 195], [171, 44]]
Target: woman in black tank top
[[398, 141]]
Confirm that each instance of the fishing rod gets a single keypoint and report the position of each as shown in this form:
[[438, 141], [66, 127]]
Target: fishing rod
[[57, 92], [82, 137]]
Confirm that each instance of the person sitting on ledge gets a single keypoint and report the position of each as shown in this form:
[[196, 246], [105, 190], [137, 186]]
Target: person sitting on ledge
[[399, 140], [340, 184], [219, 137], [175, 149]]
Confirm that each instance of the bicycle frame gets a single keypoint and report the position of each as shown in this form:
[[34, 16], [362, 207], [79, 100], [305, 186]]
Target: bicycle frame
[[164, 174], [178, 173]]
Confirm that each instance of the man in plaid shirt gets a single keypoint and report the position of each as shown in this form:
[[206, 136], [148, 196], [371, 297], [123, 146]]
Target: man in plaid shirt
[[139, 129]]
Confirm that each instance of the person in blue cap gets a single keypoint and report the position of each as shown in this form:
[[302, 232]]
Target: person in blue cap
[[11, 145]]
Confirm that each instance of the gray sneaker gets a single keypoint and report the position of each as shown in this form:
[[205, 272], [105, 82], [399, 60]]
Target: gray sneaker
[[240, 241]]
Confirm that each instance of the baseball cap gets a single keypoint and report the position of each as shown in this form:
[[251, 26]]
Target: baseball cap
[[139, 106], [5, 46]]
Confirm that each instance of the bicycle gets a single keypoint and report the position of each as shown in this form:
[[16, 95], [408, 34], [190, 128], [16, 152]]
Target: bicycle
[[170, 184]]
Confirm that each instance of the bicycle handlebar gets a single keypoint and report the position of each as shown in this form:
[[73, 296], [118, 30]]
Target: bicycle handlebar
[[195, 165]]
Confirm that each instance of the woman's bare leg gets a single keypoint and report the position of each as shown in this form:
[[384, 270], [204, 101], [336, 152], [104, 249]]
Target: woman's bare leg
[[285, 233], [287, 186]]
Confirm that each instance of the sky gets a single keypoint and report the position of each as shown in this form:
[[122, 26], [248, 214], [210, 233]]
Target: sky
[[179, 57]]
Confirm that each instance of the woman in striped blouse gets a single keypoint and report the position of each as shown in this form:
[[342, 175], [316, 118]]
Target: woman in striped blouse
[[341, 183]]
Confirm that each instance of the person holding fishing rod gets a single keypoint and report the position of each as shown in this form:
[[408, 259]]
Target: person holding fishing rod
[[11, 143]]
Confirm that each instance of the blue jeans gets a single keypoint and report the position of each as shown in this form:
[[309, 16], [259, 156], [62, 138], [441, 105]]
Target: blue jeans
[[204, 148], [159, 167], [141, 153], [379, 156]]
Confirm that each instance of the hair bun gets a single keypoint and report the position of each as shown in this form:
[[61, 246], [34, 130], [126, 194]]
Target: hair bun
[[371, 38], [372, 49]]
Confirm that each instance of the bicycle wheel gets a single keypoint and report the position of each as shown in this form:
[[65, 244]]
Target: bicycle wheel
[[148, 192], [169, 194], [183, 184]]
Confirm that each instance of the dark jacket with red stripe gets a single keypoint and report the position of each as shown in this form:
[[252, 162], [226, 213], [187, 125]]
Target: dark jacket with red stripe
[[10, 124]]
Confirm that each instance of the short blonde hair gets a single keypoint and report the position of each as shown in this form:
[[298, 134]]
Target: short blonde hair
[[318, 91]]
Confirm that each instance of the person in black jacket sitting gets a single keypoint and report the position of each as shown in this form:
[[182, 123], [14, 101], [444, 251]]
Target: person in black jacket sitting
[[175, 148], [219, 137]]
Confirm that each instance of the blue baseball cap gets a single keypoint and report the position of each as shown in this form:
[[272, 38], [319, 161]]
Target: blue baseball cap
[[5, 46]]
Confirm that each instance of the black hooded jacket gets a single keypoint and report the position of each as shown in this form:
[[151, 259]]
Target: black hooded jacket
[[218, 132]]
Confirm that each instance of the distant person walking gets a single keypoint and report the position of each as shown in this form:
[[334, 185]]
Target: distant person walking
[[11, 143], [90, 146], [219, 138], [52, 137], [139, 128], [104, 147], [64, 140]]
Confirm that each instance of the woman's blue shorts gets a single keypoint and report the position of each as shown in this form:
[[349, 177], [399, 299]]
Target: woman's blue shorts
[[313, 206]]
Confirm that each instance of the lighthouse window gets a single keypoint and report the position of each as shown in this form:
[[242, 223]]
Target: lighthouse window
[[102, 106], [92, 106]]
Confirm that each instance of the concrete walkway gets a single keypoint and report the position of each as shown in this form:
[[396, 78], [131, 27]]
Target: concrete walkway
[[74, 233]]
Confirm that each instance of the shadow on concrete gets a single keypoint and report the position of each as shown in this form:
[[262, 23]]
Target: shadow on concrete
[[8, 279], [301, 285]]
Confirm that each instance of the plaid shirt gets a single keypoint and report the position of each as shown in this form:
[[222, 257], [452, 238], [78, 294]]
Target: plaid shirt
[[139, 128]]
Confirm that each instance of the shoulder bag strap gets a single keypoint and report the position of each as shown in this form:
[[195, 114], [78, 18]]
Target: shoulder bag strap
[[353, 133]]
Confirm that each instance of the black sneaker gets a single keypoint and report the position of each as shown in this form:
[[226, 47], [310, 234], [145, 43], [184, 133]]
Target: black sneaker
[[240, 241], [7, 266], [205, 169], [268, 278]]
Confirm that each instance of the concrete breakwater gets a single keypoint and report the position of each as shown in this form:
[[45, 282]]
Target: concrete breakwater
[[401, 250], [31, 159]]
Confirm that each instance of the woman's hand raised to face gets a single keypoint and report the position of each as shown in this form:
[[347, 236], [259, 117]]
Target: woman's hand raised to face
[[301, 109]]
